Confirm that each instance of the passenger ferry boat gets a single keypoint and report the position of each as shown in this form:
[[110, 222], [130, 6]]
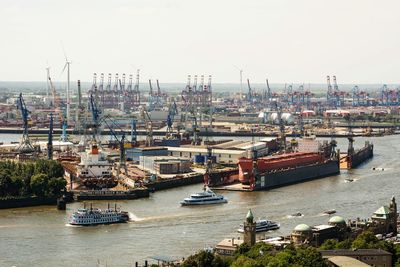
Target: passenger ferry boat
[[94, 170], [262, 226], [204, 198], [95, 216]]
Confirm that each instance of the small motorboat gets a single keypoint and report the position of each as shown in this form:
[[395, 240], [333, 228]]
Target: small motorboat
[[329, 212], [348, 180], [262, 226], [297, 214]]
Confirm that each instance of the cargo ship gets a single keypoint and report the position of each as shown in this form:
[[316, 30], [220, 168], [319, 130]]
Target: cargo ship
[[288, 168], [95, 170]]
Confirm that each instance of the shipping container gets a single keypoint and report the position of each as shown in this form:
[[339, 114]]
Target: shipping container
[[199, 159]]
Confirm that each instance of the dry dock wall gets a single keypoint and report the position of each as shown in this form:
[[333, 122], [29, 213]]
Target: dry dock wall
[[296, 175]]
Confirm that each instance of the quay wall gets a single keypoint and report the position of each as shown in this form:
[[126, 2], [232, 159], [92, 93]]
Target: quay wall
[[26, 202], [176, 182], [362, 155], [297, 175]]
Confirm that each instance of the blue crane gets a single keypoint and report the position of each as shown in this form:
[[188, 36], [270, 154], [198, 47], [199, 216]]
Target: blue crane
[[120, 137], [25, 145], [95, 125], [170, 119]]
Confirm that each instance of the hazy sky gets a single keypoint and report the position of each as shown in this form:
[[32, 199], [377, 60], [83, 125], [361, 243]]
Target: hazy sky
[[285, 41]]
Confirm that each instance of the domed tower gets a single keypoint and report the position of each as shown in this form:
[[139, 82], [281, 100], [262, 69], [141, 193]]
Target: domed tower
[[301, 234], [249, 229], [340, 224], [337, 221]]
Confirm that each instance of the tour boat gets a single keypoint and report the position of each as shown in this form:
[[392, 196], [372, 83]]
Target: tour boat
[[84, 216]]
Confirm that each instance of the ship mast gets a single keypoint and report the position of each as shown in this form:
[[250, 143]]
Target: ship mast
[[350, 149], [209, 166]]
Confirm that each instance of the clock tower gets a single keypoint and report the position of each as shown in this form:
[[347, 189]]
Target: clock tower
[[249, 229]]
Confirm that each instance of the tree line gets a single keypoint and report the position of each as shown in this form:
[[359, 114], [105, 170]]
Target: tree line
[[42, 178], [262, 254]]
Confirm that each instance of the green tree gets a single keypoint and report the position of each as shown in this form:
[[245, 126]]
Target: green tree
[[345, 244], [41, 166], [39, 184], [27, 170], [5, 181], [243, 261], [309, 256], [329, 244], [55, 169], [281, 259], [56, 185], [205, 259], [16, 186], [365, 240], [242, 249], [258, 250]]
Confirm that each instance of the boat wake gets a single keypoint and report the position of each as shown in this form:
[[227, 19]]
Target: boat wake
[[294, 216], [134, 218], [70, 225], [348, 180]]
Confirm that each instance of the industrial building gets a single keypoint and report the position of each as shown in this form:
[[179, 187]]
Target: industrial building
[[165, 164], [372, 257], [135, 153], [221, 155]]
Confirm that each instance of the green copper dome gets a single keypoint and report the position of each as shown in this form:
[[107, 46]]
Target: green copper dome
[[302, 228], [249, 216], [337, 220]]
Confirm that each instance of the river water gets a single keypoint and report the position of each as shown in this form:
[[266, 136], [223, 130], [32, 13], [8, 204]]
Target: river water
[[39, 236]]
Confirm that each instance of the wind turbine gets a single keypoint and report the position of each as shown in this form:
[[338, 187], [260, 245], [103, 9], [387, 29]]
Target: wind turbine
[[47, 80], [66, 66], [241, 81]]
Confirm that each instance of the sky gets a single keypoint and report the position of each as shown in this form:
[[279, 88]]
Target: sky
[[286, 41]]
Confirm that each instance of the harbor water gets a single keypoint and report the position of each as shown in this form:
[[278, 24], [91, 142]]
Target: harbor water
[[40, 236]]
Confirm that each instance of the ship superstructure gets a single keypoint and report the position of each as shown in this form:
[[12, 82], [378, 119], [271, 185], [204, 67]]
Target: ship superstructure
[[95, 170]]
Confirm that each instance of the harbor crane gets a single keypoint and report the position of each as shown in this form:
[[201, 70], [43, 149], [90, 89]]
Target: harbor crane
[[250, 92], [95, 125], [151, 100], [148, 125], [60, 111], [80, 111], [120, 137], [172, 111], [133, 133], [159, 94], [50, 139], [25, 145], [268, 93], [282, 133]]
